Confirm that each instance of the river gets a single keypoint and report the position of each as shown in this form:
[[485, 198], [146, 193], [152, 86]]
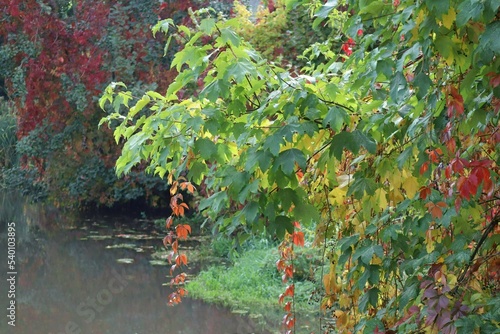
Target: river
[[79, 275]]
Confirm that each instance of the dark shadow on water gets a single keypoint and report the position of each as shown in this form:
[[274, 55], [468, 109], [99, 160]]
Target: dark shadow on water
[[69, 282]]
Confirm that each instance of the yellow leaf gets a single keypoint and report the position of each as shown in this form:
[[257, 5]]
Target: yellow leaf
[[410, 186], [395, 179], [380, 198], [429, 243], [337, 196], [452, 280], [341, 318], [344, 301], [449, 18], [395, 196]]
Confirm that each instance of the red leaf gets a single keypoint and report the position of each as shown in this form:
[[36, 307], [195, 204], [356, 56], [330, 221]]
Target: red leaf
[[280, 265], [424, 167], [425, 192], [454, 102], [495, 79], [290, 290]]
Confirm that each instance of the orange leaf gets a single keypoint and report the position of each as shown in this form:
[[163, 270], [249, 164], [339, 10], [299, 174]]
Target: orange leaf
[[175, 246], [181, 259], [183, 230], [298, 238]]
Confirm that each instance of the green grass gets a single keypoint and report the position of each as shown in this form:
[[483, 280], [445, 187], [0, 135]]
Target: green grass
[[252, 284]]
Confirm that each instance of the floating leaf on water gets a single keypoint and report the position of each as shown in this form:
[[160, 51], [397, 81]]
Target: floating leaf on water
[[99, 237], [125, 260], [126, 246], [158, 263], [136, 236]]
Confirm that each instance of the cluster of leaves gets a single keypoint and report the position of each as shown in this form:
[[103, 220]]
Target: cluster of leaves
[[278, 33], [57, 56], [387, 142], [286, 265], [179, 232]]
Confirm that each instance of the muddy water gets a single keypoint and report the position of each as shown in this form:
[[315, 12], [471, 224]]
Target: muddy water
[[98, 275]]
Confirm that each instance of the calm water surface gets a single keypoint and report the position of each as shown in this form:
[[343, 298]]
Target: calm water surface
[[77, 275]]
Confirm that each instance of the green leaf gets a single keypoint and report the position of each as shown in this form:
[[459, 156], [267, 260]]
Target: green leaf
[[228, 35], [347, 242], [351, 141], [371, 296], [239, 70], [273, 144], [282, 224], [207, 26], [438, 7], [197, 171], [251, 211], [404, 157], [335, 118], [360, 186], [398, 87], [214, 90], [205, 148], [489, 42], [306, 213], [326, 9], [139, 105], [409, 294], [467, 10], [287, 159], [423, 83], [373, 7]]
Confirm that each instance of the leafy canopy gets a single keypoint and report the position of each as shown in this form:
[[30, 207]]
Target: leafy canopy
[[386, 142]]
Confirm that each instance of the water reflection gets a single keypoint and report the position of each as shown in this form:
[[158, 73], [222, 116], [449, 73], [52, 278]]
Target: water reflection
[[70, 283]]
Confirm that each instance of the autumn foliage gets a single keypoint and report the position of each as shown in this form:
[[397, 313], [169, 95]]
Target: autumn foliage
[[57, 56], [386, 143]]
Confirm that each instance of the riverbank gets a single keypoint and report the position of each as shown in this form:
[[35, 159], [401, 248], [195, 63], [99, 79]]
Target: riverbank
[[250, 284]]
